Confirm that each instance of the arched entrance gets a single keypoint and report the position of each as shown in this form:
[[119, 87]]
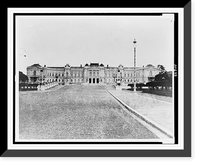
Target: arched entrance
[[94, 80]]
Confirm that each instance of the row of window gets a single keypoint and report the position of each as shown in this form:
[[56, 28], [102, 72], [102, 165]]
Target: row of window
[[55, 74], [80, 80], [126, 80], [62, 80], [94, 73], [76, 80], [57, 80], [76, 75]]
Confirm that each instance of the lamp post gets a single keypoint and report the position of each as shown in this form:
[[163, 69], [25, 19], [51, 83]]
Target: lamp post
[[134, 54]]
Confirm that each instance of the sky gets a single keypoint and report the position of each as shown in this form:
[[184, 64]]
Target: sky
[[76, 40]]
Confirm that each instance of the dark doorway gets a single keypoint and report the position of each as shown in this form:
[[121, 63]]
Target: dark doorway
[[93, 80], [97, 80], [89, 80]]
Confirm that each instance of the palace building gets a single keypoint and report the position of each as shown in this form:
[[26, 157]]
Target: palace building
[[89, 74]]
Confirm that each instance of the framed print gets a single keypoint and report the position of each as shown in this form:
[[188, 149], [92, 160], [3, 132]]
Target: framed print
[[98, 82]]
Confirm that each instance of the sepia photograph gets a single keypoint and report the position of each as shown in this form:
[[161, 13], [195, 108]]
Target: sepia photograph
[[95, 78]]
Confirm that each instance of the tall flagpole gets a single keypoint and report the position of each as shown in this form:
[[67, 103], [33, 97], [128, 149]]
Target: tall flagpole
[[134, 52]]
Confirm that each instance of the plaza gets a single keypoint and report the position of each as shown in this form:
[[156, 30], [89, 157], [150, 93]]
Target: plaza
[[83, 112]]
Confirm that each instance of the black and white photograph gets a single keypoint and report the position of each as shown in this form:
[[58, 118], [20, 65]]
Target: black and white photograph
[[96, 79]]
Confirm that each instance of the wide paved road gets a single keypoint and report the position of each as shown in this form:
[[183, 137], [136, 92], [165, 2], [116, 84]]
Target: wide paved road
[[76, 112]]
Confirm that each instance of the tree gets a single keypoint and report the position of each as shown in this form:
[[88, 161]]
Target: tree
[[162, 68], [164, 79], [22, 77]]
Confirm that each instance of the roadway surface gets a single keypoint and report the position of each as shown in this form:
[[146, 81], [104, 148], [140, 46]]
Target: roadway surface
[[76, 112]]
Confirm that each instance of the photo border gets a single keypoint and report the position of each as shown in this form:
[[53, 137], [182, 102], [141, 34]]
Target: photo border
[[186, 152]]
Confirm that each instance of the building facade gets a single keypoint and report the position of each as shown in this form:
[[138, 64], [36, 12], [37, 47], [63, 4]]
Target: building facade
[[89, 74]]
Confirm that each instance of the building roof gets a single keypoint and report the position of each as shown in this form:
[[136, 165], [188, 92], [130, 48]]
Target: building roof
[[35, 65], [76, 67], [149, 65], [94, 64], [56, 67]]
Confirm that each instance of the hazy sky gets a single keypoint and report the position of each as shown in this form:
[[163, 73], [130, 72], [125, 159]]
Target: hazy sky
[[58, 40]]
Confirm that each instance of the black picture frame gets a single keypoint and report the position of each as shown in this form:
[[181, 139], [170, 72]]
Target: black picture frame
[[186, 152]]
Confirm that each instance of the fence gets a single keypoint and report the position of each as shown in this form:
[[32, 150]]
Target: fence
[[27, 87], [35, 87]]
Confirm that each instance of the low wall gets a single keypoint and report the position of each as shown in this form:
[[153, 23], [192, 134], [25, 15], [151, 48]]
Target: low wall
[[27, 87], [47, 86], [121, 87]]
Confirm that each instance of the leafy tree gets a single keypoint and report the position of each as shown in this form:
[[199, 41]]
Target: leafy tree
[[22, 77], [163, 79], [162, 68]]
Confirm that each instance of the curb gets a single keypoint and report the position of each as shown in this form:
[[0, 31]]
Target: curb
[[144, 118]]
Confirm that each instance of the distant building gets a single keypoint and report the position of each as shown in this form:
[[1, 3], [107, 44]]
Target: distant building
[[94, 73]]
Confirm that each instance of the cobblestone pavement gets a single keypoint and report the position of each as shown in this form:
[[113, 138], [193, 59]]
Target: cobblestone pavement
[[76, 112]]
